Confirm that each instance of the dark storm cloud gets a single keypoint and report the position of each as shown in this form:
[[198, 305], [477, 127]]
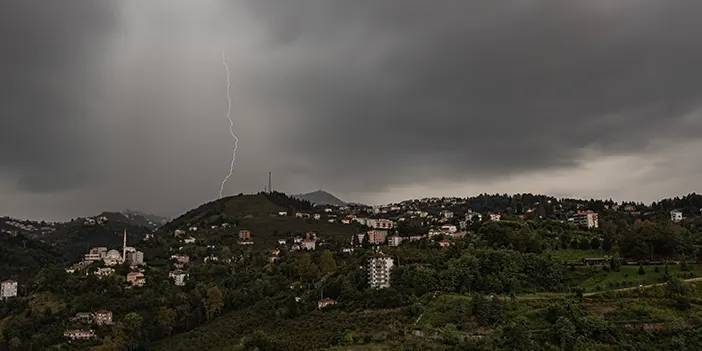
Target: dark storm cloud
[[397, 93], [110, 104], [47, 63]]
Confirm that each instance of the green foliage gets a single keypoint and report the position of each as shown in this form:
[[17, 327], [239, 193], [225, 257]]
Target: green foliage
[[214, 302], [259, 341], [327, 264]]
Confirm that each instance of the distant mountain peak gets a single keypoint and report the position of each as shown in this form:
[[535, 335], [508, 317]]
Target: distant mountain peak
[[321, 197]]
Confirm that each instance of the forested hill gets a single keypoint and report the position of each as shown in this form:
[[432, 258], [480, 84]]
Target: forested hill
[[321, 198], [233, 208], [269, 216], [489, 272], [22, 258]]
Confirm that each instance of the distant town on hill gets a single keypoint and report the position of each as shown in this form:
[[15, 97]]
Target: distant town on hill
[[279, 272]]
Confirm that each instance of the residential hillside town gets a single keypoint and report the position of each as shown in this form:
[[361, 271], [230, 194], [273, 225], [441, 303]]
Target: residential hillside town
[[443, 272]]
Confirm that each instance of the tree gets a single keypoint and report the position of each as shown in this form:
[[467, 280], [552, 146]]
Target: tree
[[684, 267], [305, 268], [129, 331], [641, 270], [257, 342], [166, 319], [515, 336], [214, 302], [327, 264], [564, 333], [15, 344]]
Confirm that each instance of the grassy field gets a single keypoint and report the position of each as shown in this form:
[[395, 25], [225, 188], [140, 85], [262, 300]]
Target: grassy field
[[628, 276]]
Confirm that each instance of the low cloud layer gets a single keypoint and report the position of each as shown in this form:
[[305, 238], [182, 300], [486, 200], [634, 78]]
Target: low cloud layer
[[109, 105]]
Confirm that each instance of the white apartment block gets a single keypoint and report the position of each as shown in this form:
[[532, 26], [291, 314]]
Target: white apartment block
[[588, 219], [379, 269]]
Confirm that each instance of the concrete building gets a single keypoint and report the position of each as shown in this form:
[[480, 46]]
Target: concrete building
[[112, 258], [135, 258], [136, 278], [380, 223], [676, 216], [244, 235], [377, 237], [379, 269], [326, 302], [103, 317], [178, 277], [95, 254], [189, 240], [309, 244], [447, 214], [360, 237], [79, 334], [587, 219], [8, 289], [395, 240]]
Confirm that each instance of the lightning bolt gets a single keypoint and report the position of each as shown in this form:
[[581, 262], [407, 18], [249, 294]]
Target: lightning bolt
[[235, 138]]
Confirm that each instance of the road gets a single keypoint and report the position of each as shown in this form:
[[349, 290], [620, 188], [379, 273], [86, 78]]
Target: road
[[691, 280]]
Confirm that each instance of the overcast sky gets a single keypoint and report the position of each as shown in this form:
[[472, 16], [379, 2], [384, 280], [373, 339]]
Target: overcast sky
[[106, 105]]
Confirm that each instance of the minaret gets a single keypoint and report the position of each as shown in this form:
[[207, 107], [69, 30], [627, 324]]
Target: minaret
[[124, 247]]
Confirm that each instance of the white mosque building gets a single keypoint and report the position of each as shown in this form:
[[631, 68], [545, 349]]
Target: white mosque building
[[129, 255]]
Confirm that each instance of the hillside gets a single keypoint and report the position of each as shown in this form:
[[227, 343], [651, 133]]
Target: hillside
[[259, 213], [73, 239], [321, 197], [21, 257], [522, 279], [136, 218]]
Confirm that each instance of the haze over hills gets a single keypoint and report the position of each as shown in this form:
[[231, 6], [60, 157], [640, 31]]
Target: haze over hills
[[321, 197]]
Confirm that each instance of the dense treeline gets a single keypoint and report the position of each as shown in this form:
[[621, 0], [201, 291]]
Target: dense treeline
[[464, 294]]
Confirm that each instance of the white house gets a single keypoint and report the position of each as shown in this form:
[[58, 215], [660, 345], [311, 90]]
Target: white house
[[381, 223], [136, 279], [8, 289], [103, 317], [326, 302], [309, 244], [447, 214], [189, 240], [79, 334], [178, 277], [448, 228], [394, 240], [676, 216]]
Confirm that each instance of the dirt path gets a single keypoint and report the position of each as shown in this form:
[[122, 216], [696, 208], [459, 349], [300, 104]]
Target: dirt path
[[648, 286]]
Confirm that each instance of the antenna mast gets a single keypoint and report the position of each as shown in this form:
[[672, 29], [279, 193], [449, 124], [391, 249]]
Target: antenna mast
[[270, 188]]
